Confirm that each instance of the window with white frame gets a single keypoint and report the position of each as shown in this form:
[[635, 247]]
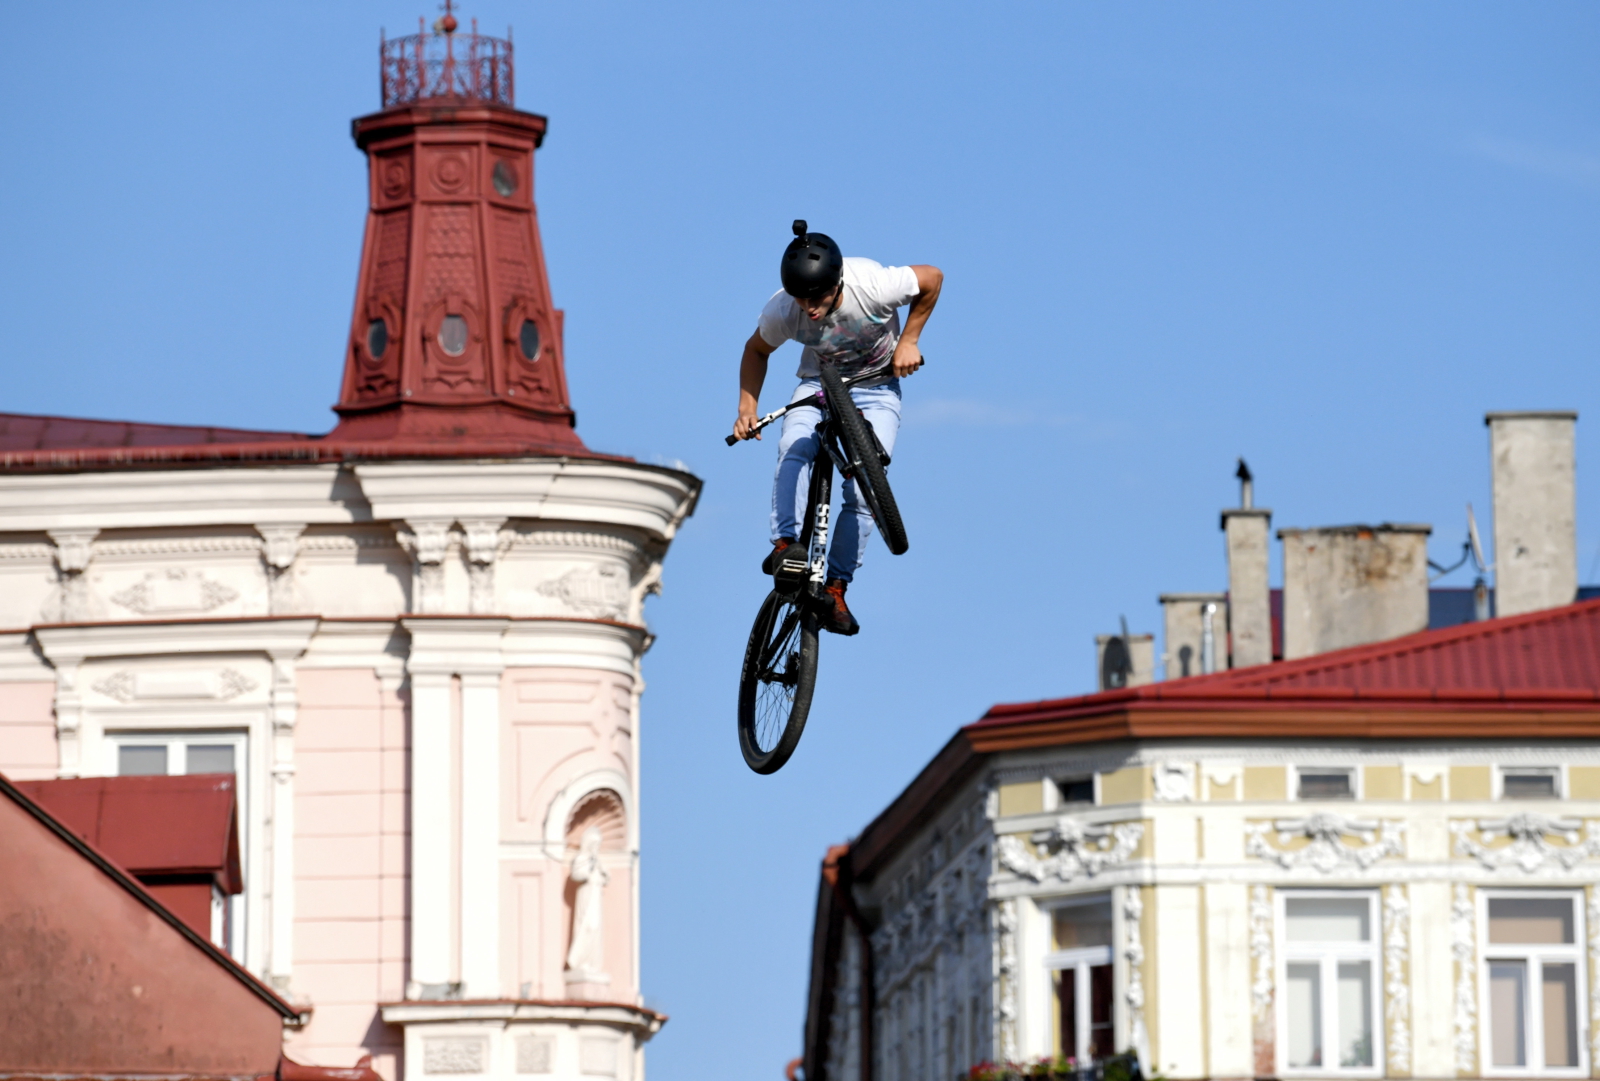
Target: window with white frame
[[173, 754], [1328, 1018], [1080, 969], [1533, 982]]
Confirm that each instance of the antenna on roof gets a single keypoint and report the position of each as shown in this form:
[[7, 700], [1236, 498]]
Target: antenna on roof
[[1477, 545]]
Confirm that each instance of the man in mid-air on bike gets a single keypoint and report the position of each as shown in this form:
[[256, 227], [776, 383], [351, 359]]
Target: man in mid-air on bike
[[845, 313]]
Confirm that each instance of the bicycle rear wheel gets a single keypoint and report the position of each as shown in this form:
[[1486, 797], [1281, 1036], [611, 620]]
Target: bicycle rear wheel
[[865, 465], [775, 685]]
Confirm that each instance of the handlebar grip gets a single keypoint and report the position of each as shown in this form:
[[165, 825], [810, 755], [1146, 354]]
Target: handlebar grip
[[731, 440]]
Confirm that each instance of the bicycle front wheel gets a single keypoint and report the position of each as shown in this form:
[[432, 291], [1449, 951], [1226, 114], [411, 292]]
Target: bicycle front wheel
[[866, 466], [780, 672]]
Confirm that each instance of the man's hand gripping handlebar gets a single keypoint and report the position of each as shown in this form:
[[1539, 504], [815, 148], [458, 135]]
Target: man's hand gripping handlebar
[[817, 399]]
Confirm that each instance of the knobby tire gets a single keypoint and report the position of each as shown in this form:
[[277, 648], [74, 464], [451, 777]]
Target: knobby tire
[[871, 479], [777, 680]]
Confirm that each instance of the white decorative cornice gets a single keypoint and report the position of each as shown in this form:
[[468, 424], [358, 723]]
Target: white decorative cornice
[[1530, 849], [1327, 851], [1076, 849], [616, 1015], [33, 553], [164, 498], [66, 646], [160, 546]]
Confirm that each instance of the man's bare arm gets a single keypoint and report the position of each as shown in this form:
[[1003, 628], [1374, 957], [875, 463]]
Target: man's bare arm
[[907, 356], [752, 373]]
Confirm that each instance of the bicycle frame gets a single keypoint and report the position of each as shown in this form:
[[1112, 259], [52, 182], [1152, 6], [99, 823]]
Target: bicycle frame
[[819, 498]]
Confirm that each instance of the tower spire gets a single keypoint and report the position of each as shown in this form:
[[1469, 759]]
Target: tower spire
[[454, 334]]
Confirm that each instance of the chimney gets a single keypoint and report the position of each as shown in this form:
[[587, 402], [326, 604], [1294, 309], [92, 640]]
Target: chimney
[[1532, 461], [1185, 619], [1124, 660], [1249, 598], [1349, 585]]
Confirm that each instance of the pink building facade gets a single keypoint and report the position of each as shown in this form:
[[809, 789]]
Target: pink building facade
[[416, 640]]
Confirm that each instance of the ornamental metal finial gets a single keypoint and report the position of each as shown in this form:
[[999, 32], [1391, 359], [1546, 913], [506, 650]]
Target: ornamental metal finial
[[447, 24]]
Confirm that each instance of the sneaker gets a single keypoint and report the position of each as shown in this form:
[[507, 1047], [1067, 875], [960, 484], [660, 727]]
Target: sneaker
[[836, 615], [770, 564]]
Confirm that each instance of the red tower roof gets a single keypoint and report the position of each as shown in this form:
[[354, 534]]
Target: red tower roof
[[455, 347]]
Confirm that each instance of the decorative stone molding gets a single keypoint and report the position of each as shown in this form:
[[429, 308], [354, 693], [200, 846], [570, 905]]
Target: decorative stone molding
[[1133, 953], [74, 548], [427, 540], [279, 549], [33, 553], [173, 591], [184, 546], [455, 1054], [600, 591], [1264, 968], [1464, 950], [484, 545], [1397, 977], [1005, 921], [1327, 851], [1530, 849], [1076, 850], [522, 537], [1594, 974], [1174, 782], [222, 685]]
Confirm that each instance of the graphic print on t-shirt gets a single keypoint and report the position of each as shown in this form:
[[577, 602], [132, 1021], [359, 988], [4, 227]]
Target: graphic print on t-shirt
[[860, 335]]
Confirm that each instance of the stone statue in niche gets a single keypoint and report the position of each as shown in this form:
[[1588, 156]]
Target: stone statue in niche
[[586, 957]]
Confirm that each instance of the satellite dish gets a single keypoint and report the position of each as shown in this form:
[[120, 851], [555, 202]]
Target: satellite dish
[[1477, 545], [1116, 664]]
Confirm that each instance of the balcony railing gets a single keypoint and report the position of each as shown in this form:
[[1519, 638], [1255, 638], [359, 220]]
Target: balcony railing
[[447, 66]]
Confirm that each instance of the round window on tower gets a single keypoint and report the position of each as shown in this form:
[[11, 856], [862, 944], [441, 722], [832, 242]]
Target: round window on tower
[[377, 338], [453, 335], [528, 340], [504, 178]]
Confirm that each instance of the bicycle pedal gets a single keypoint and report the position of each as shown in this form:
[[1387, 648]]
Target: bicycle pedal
[[792, 569]]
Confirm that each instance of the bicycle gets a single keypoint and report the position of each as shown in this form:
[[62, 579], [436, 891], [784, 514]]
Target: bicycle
[[780, 660]]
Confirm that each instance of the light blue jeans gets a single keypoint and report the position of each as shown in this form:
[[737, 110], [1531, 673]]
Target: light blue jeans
[[797, 449]]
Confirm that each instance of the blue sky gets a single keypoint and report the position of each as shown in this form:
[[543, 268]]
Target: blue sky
[[1325, 237]]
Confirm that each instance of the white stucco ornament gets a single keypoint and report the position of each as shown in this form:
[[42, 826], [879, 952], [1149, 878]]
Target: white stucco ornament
[[1530, 849], [1076, 849], [1174, 782], [1328, 851]]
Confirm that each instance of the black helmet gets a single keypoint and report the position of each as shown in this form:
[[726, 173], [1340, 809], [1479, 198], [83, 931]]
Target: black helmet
[[812, 264]]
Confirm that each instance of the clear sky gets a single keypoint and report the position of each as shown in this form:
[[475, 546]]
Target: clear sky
[[1327, 237]]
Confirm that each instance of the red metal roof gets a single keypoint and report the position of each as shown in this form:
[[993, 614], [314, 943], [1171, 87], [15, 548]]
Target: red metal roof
[[1542, 663], [27, 432], [152, 825]]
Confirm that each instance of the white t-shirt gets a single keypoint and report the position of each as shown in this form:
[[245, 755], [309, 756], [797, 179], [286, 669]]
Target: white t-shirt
[[863, 330]]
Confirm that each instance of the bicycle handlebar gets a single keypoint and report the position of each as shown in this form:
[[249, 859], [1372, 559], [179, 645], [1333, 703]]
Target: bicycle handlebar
[[807, 400]]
